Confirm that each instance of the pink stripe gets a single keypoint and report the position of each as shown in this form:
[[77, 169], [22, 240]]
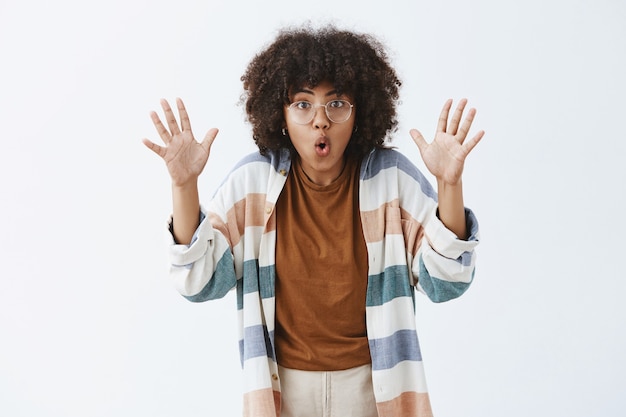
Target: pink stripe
[[261, 403], [408, 404], [390, 219], [252, 210]]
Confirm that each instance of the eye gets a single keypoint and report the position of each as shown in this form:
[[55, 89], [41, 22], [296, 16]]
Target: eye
[[301, 105], [337, 104]]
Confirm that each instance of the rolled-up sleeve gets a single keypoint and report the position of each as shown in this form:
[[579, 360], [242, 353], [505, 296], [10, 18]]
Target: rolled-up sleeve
[[202, 270], [445, 265]]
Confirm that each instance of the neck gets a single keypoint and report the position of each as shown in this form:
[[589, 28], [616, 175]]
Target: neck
[[322, 181]]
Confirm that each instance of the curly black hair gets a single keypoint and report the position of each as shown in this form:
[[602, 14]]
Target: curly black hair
[[356, 64]]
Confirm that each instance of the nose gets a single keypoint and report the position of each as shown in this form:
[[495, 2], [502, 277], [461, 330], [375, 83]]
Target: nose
[[321, 120]]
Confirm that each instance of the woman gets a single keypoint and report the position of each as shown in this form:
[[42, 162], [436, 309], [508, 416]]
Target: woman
[[325, 232]]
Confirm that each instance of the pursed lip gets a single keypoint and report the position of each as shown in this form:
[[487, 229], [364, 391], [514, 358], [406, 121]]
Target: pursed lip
[[322, 146], [322, 141]]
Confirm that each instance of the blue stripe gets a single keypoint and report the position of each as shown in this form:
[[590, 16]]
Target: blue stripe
[[392, 283], [472, 227], [267, 281], [222, 281], [389, 351], [471, 224], [380, 159], [439, 290], [256, 342], [466, 258], [250, 276], [195, 233], [239, 294], [257, 279], [264, 284]]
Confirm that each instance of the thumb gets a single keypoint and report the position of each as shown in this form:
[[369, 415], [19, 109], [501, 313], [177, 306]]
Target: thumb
[[418, 139], [208, 139], [159, 150]]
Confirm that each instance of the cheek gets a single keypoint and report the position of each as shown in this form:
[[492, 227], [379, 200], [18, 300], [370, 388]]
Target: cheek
[[348, 129]]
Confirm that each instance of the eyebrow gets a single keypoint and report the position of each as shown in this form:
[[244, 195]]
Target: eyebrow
[[304, 90]]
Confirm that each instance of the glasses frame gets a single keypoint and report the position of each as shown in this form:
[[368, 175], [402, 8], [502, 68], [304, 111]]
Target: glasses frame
[[314, 110]]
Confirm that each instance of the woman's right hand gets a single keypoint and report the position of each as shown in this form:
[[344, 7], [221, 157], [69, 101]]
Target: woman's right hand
[[184, 156]]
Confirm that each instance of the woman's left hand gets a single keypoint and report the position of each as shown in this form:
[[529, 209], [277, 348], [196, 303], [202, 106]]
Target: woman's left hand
[[445, 156]]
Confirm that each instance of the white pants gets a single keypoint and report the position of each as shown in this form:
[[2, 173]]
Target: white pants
[[346, 393]]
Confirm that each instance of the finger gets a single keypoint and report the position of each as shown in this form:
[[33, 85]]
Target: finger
[[418, 139], [443, 117], [456, 117], [164, 134], [185, 124], [471, 143], [465, 127], [170, 118], [208, 139], [159, 150]]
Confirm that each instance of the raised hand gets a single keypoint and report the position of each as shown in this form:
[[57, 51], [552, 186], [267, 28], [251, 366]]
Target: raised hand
[[184, 156], [445, 155]]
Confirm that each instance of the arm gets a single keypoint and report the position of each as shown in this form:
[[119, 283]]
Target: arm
[[185, 159], [202, 269], [185, 211], [445, 159]]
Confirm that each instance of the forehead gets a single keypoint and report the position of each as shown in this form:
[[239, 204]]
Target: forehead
[[323, 89]]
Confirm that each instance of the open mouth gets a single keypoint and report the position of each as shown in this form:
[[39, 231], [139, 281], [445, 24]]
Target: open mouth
[[322, 147]]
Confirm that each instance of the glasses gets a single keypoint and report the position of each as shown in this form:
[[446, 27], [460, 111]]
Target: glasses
[[338, 111]]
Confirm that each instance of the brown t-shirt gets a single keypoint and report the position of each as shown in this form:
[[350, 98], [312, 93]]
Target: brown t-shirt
[[321, 268]]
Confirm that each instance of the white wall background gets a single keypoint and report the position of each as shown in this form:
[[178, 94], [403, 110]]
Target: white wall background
[[90, 324]]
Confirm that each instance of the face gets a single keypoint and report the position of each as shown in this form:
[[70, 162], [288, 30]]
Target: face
[[321, 143]]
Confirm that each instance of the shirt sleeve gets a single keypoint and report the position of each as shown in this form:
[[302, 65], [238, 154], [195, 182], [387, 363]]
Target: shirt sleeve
[[445, 265], [202, 270]]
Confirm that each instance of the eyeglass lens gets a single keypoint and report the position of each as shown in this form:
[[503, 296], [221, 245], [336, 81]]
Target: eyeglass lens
[[338, 111]]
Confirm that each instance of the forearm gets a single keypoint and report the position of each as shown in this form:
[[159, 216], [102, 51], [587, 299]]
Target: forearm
[[451, 208], [186, 211]]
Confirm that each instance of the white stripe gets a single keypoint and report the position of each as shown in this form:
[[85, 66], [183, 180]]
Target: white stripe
[[257, 376], [443, 268], [243, 183], [184, 254], [251, 308], [385, 320], [267, 252], [419, 205], [394, 251], [252, 235], [375, 265], [190, 281], [269, 306], [384, 180], [444, 241], [407, 376]]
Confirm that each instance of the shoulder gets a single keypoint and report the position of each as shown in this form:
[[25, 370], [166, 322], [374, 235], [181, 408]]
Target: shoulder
[[383, 160], [253, 171], [394, 167], [257, 164]]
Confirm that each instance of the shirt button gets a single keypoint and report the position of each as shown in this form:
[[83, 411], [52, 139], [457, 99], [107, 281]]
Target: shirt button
[[275, 377], [268, 210], [282, 172]]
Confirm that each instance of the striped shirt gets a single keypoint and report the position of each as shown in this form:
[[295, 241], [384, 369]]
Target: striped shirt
[[408, 248]]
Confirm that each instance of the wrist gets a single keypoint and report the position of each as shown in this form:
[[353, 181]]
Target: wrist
[[444, 186], [190, 184]]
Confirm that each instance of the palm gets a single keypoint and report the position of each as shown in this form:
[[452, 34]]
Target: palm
[[445, 155], [444, 158], [184, 157]]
